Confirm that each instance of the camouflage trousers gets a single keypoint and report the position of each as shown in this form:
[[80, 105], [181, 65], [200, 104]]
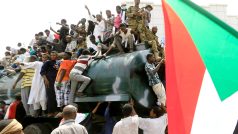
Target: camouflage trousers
[[154, 48], [141, 29]]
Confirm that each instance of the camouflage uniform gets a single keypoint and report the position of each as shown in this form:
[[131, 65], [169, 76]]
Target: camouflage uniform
[[154, 43], [132, 19], [142, 31], [136, 23]]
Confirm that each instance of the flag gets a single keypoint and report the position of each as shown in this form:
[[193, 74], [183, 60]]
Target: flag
[[201, 70]]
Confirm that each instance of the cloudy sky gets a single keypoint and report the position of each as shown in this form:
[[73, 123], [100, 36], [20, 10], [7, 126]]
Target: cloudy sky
[[21, 19]]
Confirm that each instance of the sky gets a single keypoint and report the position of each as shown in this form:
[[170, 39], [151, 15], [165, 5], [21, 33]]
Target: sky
[[21, 19]]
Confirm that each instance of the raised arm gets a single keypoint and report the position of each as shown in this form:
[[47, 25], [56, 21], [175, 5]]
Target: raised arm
[[96, 108], [53, 30], [157, 67], [86, 7], [78, 23]]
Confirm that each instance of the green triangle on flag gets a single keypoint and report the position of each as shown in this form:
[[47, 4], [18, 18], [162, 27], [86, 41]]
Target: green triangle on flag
[[217, 44]]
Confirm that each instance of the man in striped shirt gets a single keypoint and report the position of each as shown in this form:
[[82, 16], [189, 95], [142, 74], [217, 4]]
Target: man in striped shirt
[[26, 75], [76, 75]]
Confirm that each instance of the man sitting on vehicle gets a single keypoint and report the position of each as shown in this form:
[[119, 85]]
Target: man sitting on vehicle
[[123, 40]]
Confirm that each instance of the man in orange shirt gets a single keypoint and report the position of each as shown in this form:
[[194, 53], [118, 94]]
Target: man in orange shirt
[[62, 82]]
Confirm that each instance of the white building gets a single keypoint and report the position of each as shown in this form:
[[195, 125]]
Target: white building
[[220, 11]]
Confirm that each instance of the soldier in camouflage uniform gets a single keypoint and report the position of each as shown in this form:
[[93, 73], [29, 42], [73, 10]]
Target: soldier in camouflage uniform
[[135, 21], [154, 43], [133, 16]]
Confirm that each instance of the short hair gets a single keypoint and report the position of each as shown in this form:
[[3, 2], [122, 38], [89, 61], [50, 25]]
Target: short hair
[[18, 96], [118, 7], [127, 110], [8, 53], [41, 33], [34, 57], [64, 20], [47, 30], [68, 53], [47, 55], [69, 110], [49, 46], [85, 52], [92, 36], [158, 111], [54, 52], [99, 15], [23, 49], [149, 55], [149, 6]]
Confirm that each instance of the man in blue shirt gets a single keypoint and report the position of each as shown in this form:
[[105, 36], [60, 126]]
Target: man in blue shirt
[[154, 80]]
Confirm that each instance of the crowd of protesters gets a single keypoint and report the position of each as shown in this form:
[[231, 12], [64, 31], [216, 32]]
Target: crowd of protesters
[[51, 67]]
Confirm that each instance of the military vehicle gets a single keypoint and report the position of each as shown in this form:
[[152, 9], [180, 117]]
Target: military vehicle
[[115, 79]]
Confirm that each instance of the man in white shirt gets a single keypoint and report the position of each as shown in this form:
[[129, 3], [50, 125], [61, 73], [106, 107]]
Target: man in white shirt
[[129, 124], [109, 23], [49, 37], [37, 96], [71, 45], [123, 40], [157, 122], [34, 41], [68, 126], [99, 25]]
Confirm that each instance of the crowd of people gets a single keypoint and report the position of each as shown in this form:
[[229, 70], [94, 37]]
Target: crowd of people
[[52, 66]]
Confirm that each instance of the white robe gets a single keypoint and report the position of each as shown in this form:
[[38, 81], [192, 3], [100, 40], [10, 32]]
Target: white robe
[[153, 126], [37, 95], [99, 28], [127, 125]]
